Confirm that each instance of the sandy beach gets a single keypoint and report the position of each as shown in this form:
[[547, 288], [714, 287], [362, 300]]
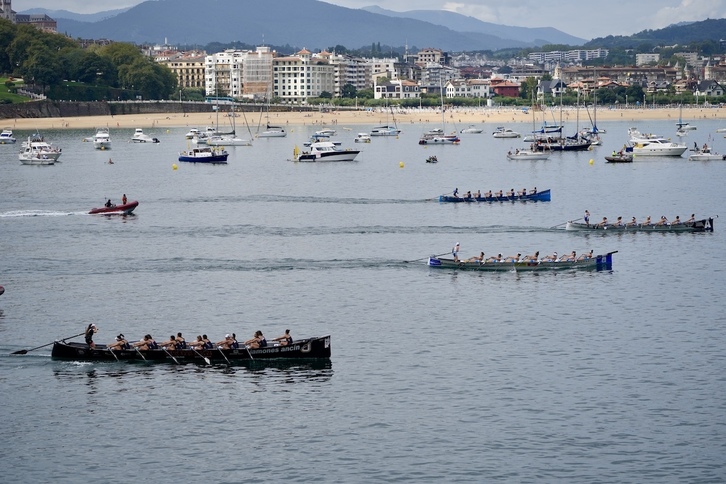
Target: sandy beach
[[461, 117]]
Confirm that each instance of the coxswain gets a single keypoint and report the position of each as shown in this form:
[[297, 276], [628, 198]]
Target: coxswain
[[90, 331]]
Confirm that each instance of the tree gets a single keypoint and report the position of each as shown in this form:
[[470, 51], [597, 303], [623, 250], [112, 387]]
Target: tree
[[325, 95], [42, 67], [349, 91]]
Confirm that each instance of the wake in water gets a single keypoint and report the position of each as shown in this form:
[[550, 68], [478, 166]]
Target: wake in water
[[37, 213]]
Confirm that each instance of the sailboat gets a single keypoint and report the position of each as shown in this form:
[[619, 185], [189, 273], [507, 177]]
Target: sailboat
[[565, 143], [228, 139], [270, 131], [386, 129], [532, 153], [438, 136], [682, 128]]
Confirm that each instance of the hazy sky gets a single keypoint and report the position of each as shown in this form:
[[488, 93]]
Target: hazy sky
[[581, 18]]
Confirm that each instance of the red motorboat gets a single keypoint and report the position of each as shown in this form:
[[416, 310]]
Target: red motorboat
[[124, 209]]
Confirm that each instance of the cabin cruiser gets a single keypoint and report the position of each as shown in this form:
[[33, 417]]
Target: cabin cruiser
[[102, 140], [326, 151], [362, 138], [140, 137], [502, 132], [6, 137], [36, 150]]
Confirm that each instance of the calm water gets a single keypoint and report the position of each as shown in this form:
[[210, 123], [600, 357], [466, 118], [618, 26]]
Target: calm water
[[435, 375]]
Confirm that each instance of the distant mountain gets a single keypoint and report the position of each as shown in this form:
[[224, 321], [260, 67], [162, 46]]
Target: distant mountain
[[80, 17], [512, 36], [683, 33], [298, 23]]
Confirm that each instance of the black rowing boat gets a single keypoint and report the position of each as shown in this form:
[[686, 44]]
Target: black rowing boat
[[308, 348]]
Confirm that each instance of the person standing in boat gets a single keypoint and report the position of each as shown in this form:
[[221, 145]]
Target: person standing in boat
[[586, 218], [456, 193], [455, 252], [285, 339], [124, 199], [90, 331]]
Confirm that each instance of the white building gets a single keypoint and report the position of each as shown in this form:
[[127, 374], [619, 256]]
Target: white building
[[645, 59], [238, 73], [301, 76], [477, 88], [396, 89]]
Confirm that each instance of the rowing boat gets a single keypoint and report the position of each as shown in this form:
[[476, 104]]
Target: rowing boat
[[543, 196], [703, 225], [598, 263], [308, 348]]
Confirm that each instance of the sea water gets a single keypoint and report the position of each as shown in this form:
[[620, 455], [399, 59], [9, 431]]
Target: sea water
[[435, 375]]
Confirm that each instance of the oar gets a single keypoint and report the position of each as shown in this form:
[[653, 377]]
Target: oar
[[248, 352], [22, 352], [139, 352], [167, 352], [565, 223], [422, 258], [224, 356], [114, 354], [206, 360]]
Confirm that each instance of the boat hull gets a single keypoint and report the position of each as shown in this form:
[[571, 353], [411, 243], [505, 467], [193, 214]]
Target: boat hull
[[543, 196], [528, 155], [304, 349], [703, 225], [599, 263], [619, 159], [124, 209], [706, 157]]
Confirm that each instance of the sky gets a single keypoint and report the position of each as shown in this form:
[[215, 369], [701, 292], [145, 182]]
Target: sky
[[580, 18]]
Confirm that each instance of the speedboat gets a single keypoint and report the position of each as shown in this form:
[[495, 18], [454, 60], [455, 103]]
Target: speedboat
[[471, 130], [436, 136], [36, 151], [706, 155], [385, 131], [192, 133], [205, 155], [527, 155], [326, 151], [502, 132], [140, 137], [325, 132], [6, 137], [110, 209], [362, 138], [102, 139]]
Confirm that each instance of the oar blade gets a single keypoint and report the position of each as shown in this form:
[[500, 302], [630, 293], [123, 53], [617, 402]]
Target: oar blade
[[19, 352]]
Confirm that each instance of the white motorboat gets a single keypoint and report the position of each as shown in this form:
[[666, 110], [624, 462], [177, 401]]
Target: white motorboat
[[36, 150], [325, 151], [192, 133], [706, 154], [327, 132], [385, 131], [471, 130], [655, 147], [502, 132], [527, 155], [362, 138], [6, 137], [102, 139], [140, 137]]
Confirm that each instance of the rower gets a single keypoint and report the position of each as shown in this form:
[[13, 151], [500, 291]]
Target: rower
[[632, 222], [692, 219], [119, 344], [604, 222], [586, 256], [677, 221], [476, 258]]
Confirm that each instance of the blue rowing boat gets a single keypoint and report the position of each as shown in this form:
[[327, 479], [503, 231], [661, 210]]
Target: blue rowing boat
[[543, 196]]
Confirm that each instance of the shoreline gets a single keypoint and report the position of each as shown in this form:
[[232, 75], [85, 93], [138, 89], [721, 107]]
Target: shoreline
[[459, 116]]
